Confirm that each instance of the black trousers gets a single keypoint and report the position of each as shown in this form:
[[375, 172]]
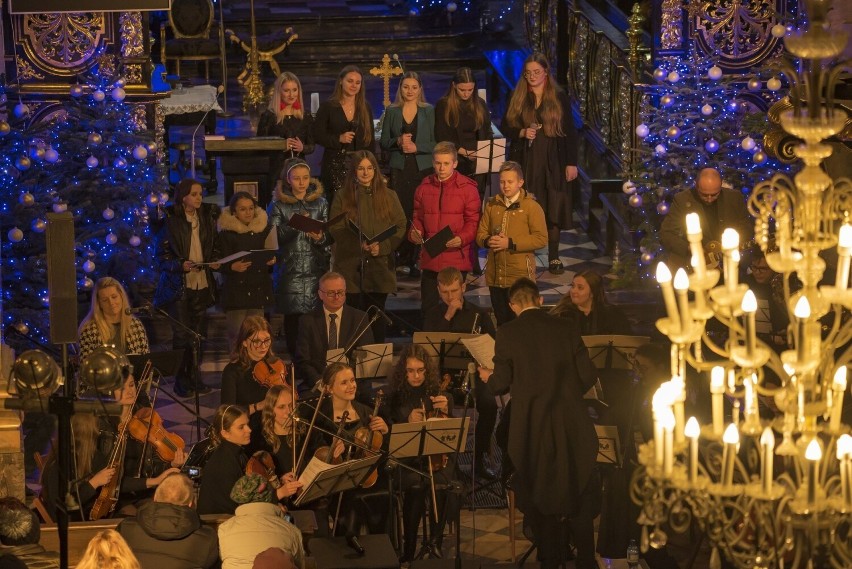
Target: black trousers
[[486, 406], [500, 304], [191, 311]]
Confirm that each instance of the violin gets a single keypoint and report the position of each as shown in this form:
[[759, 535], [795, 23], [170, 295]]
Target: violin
[[439, 461], [372, 439], [326, 453], [263, 464], [147, 423], [271, 373]]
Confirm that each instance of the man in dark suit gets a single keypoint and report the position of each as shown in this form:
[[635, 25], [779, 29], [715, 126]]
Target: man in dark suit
[[453, 314], [541, 360], [718, 208], [333, 325]]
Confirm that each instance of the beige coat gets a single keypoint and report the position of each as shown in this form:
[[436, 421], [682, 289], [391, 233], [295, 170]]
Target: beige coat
[[524, 224], [255, 528]]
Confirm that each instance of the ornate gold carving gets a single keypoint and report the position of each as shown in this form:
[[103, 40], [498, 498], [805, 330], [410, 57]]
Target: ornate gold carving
[[634, 38], [63, 44], [159, 129], [107, 65], [737, 30], [25, 70], [133, 74], [138, 119], [624, 116], [601, 86], [671, 34], [130, 24], [578, 65]]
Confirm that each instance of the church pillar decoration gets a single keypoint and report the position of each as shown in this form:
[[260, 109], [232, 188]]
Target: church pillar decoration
[[671, 27], [11, 445], [132, 47], [736, 31]]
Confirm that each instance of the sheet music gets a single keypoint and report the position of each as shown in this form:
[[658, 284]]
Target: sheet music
[[335, 355], [315, 468], [488, 160], [482, 349], [373, 360]]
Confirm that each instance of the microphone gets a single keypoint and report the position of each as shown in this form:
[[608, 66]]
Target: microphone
[[352, 541], [380, 312], [471, 375], [398, 62], [219, 90], [138, 310], [534, 126]]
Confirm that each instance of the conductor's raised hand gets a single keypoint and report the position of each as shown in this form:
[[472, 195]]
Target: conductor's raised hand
[[378, 424]]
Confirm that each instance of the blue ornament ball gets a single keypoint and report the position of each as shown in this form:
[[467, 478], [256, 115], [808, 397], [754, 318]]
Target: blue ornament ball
[[135, 241], [5, 128], [76, 90], [759, 157], [711, 145], [662, 208], [60, 207], [15, 235], [99, 95], [120, 163], [111, 238], [51, 155], [667, 100], [140, 152], [707, 109], [95, 138], [118, 94], [642, 130], [26, 199], [108, 214], [87, 283], [21, 110], [635, 200], [660, 149], [153, 200], [748, 143], [151, 146], [88, 267], [23, 163], [646, 258], [92, 162], [39, 225]]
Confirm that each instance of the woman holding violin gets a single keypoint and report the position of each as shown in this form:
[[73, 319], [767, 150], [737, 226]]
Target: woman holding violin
[[417, 396], [254, 368], [272, 432], [339, 386]]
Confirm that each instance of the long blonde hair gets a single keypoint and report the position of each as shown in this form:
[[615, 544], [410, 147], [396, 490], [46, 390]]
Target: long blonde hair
[[96, 314], [522, 109], [85, 431], [267, 415], [362, 114], [455, 105], [275, 100], [108, 550], [421, 100]]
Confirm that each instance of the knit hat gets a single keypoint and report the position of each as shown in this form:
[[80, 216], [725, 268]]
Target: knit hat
[[253, 488], [273, 558], [18, 524]]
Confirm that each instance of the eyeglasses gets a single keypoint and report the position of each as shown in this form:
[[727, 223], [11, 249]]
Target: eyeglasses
[[257, 343], [415, 371], [334, 293], [534, 73]]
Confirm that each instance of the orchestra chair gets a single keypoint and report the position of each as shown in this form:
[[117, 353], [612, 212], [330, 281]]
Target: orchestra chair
[[191, 22], [38, 501]]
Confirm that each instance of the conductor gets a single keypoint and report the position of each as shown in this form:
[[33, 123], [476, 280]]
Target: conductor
[[542, 362]]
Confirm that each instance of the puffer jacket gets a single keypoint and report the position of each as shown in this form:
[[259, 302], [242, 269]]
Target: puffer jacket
[[251, 288], [454, 202], [524, 224], [172, 249], [301, 260], [168, 536]]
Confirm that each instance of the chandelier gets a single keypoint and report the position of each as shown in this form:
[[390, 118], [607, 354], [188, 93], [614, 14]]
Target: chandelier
[[761, 504]]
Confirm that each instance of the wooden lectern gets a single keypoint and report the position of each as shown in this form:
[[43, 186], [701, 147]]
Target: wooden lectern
[[247, 164]]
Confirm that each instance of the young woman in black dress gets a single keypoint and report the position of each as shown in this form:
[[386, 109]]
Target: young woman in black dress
[[286, 117], [229, 435], [343, 124], [540, 126], [272, 431]]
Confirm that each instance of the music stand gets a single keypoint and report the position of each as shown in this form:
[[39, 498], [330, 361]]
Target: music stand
[[373, 361], [426, 438], [490, 155], [447, 347], [613, 351], [339, 478], [167, 362]]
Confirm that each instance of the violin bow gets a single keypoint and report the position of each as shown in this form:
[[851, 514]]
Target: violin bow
[[308, 434], [293, 411]]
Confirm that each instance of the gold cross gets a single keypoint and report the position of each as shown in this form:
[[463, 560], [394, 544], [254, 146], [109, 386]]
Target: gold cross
[[385, 71]]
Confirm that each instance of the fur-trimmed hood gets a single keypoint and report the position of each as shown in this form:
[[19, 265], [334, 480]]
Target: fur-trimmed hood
[[315, 191], [228, 222]]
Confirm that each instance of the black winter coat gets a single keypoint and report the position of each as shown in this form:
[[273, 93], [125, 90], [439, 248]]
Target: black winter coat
[[167, 536], [172, 249], [301, 260], [251, 288]]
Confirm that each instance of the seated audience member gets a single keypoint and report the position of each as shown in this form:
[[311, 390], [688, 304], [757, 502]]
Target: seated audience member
[[20, 535], [108, 550], [257, 525], [274, 558], [586, 306], [334, 325], [167, 533]]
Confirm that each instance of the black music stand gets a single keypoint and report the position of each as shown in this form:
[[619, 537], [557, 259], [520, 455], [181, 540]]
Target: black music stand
[[447, 347], [373, 361], [490, 155], [336, 479], [167, 363]]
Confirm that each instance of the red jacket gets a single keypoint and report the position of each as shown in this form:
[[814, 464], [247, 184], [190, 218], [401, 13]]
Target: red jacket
[[454, 202]]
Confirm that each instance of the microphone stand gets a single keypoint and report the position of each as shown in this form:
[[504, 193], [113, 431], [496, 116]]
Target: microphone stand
[[219, 91], [196, 347]]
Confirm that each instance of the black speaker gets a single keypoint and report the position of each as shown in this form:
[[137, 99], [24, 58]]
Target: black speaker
[[62, 278], [334, 553]]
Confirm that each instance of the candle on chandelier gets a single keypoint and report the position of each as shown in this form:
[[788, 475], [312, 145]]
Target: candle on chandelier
[[668, 423], [844, 250], [731, 438], [782, 227], [752, 413], [692, 431], [749, 306], [813, 454], [717, 390], [681, 286], [802, 312], [839, 389], [659, 403], [730, 244], [678, 397], [767, 446], [693, 235], [664, 277], [844, 458]]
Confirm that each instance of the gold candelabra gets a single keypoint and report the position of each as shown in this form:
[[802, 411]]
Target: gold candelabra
[[764, 505]]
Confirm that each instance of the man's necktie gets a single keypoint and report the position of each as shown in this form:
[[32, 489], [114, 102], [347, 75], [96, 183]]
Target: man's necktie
[[332, 332]]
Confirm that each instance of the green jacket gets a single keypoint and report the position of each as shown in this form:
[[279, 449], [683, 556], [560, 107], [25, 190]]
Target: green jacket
[[425, 140]]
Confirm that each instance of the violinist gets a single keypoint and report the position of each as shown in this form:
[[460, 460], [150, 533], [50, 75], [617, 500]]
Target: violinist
[[340, 387], [229, 435], [253, 367], [417, 396]]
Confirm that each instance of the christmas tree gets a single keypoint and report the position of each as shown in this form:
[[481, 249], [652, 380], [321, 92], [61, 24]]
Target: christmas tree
[[694, 116], [91, 158]]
